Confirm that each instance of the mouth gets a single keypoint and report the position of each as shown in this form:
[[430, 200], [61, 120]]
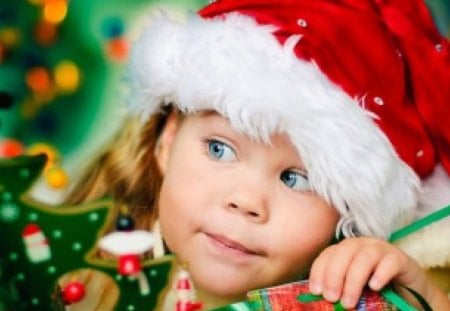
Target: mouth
[[232, 246]]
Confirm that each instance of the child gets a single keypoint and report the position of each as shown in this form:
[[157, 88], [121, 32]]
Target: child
[[269, 128]]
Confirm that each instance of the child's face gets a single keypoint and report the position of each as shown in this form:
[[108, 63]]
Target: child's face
[[235, 210]]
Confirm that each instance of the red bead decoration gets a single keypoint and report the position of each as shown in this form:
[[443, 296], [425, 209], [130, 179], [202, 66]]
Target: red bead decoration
[[129, 264], [73, 292]]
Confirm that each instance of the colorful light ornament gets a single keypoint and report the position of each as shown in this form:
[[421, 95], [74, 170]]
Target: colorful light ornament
[[67, 77], [55, 11], [10, 148], [117, 49], [10, 37], [38, 79], [113, 27], [56, 177], [45, 33]]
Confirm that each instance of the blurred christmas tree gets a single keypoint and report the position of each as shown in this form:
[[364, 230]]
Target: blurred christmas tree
[[61, 65]]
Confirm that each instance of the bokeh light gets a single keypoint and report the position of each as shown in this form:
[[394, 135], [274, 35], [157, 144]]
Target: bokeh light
[[9, 37], [67, 77], [10, 148], [56, 177], [113, 27], [38, 79], [45, 33], [117, 49], [55, 11]]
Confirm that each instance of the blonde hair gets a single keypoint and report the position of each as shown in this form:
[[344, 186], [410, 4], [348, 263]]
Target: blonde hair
[[127, 171]]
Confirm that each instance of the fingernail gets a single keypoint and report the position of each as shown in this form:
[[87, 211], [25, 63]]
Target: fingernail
[[331, 295], [315, 288], [374, 284], [347, 302]]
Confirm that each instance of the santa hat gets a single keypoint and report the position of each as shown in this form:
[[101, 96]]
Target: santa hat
[[358, 86]]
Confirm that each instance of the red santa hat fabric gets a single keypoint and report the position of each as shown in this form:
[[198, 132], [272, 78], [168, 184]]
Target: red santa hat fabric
[[388, 54], [338, 77]]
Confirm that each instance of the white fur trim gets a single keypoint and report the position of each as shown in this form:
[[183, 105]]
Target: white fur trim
[[237, 68]]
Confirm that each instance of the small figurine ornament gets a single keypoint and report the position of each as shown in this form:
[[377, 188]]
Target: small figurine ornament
[[36, 244], [186, 293], [129, 245]]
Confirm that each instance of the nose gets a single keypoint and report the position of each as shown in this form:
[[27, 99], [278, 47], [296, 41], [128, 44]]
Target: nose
[[249, 197]]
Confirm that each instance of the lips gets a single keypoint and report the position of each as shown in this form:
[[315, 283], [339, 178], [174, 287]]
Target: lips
[[232, 245]]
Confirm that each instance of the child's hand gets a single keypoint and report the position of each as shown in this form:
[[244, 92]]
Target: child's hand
[[342, 270]]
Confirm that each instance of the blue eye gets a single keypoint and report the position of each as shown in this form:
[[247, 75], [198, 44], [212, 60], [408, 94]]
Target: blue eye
[[220, 151], [295, 180]]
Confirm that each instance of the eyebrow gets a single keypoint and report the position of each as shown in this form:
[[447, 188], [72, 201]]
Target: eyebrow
[[208, 113]]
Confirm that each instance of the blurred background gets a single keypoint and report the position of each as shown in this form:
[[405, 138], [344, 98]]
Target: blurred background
[[61, 68]]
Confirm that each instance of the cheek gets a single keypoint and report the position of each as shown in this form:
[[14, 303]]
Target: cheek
[[170, 214], [178, 206], [175, 187], [306, 232], [302, 251]]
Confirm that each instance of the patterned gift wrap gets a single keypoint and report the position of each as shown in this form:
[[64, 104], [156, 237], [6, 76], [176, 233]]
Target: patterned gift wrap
[[296, 297]]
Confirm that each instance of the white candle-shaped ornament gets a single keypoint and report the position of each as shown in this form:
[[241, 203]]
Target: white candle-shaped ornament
[[36, 244], [158, 248]]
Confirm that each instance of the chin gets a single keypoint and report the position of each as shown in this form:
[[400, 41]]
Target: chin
[[233, 294], [225, 286]]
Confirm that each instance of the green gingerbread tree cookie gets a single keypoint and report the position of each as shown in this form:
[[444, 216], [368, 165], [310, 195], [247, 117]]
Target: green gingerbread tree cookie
[[40, 244]]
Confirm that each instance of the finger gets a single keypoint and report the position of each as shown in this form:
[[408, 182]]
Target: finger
[[389, 267], [317, 272], [336, 270], [358, 274]]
